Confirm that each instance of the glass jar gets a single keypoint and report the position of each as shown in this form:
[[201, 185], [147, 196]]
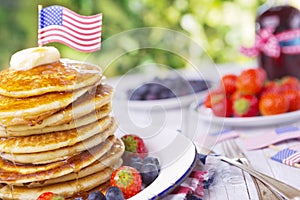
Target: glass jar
[[278, 38]]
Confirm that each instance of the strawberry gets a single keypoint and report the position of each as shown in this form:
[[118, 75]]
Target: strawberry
[[293, 97], [213, 96], [50, 196], [251, 81], [135, 145], [245, 106], [222, 106], [273, 103], [127, 179], [271, 86], [289, 83], [228, 82]]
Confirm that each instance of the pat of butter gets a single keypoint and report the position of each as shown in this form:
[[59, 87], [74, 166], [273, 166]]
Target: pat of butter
[[29, 58]]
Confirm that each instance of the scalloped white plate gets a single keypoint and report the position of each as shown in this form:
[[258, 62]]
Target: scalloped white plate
[[206, 114], [177, 156]]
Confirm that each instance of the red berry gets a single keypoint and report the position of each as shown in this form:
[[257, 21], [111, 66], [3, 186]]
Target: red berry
[[293, 97], [289, 83], [135, 145], [50, 196], [213, 96], [251, 81], [271, 86], [273, 103], [229, 83], [222, 107], [245, 106], [128, 180]]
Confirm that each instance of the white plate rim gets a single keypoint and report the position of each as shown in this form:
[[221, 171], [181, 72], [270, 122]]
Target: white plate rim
[[178, 177], [206, 115]]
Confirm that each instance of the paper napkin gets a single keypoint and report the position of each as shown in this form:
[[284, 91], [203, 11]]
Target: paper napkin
[[271, 137]]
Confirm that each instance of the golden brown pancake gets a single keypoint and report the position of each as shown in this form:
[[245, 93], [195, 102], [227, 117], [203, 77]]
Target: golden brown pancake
[[61, 153], [30, 110], [111, 159], [75, 123], [53, 140], [66, 75], [89, 102], [66, 189], [16, 174]]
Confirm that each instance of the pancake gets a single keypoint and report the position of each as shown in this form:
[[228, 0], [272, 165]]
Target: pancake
[[32, 173], [61, 153], [67, 189], [33, 109], [85, 104], [53, 140], [66, 75], [111, 159], [75, 123]]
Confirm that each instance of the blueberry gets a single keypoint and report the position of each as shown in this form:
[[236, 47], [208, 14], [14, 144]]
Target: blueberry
[[114, 193], [153, 160], [149, 173], [78, 198], [135, 159], [193, 197], [136, 165], [96, 195]]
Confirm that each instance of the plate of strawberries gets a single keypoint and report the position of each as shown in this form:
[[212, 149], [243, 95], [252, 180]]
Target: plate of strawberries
[[250, 99]]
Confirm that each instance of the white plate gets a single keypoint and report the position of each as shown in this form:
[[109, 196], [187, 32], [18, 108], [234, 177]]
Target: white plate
[[206, 114], [177, 156]]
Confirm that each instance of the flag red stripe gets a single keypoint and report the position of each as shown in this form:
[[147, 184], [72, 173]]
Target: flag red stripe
[[47, 31], [81, 16], [70, 23], [82, 21], [72, 45], [57, 34]]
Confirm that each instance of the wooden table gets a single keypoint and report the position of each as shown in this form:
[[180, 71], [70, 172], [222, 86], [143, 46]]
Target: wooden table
[[230, 182]]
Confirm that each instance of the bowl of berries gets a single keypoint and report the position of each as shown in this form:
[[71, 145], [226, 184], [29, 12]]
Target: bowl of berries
[[162, 161], [249, 99], [139, 92]]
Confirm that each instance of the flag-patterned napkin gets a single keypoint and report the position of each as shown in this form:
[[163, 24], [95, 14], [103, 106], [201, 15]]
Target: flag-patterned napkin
[[195, 184], [271, 137], [289, 156]]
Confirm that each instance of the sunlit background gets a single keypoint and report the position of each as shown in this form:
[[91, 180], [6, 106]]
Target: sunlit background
[[219, 26]]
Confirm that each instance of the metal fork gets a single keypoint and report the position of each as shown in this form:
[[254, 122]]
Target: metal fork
[[233, 151]]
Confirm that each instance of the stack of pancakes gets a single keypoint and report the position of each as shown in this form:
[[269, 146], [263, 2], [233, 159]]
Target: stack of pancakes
[[56, 131]]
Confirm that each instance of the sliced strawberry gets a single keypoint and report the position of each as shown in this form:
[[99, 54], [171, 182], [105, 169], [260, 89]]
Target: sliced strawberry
[[128, 180], [245, 106]]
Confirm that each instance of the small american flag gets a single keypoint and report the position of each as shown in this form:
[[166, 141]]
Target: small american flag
[[287, 156], [59, 24]]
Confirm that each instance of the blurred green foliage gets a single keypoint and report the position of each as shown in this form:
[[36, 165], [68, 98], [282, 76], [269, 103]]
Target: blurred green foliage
[[219, 26]]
